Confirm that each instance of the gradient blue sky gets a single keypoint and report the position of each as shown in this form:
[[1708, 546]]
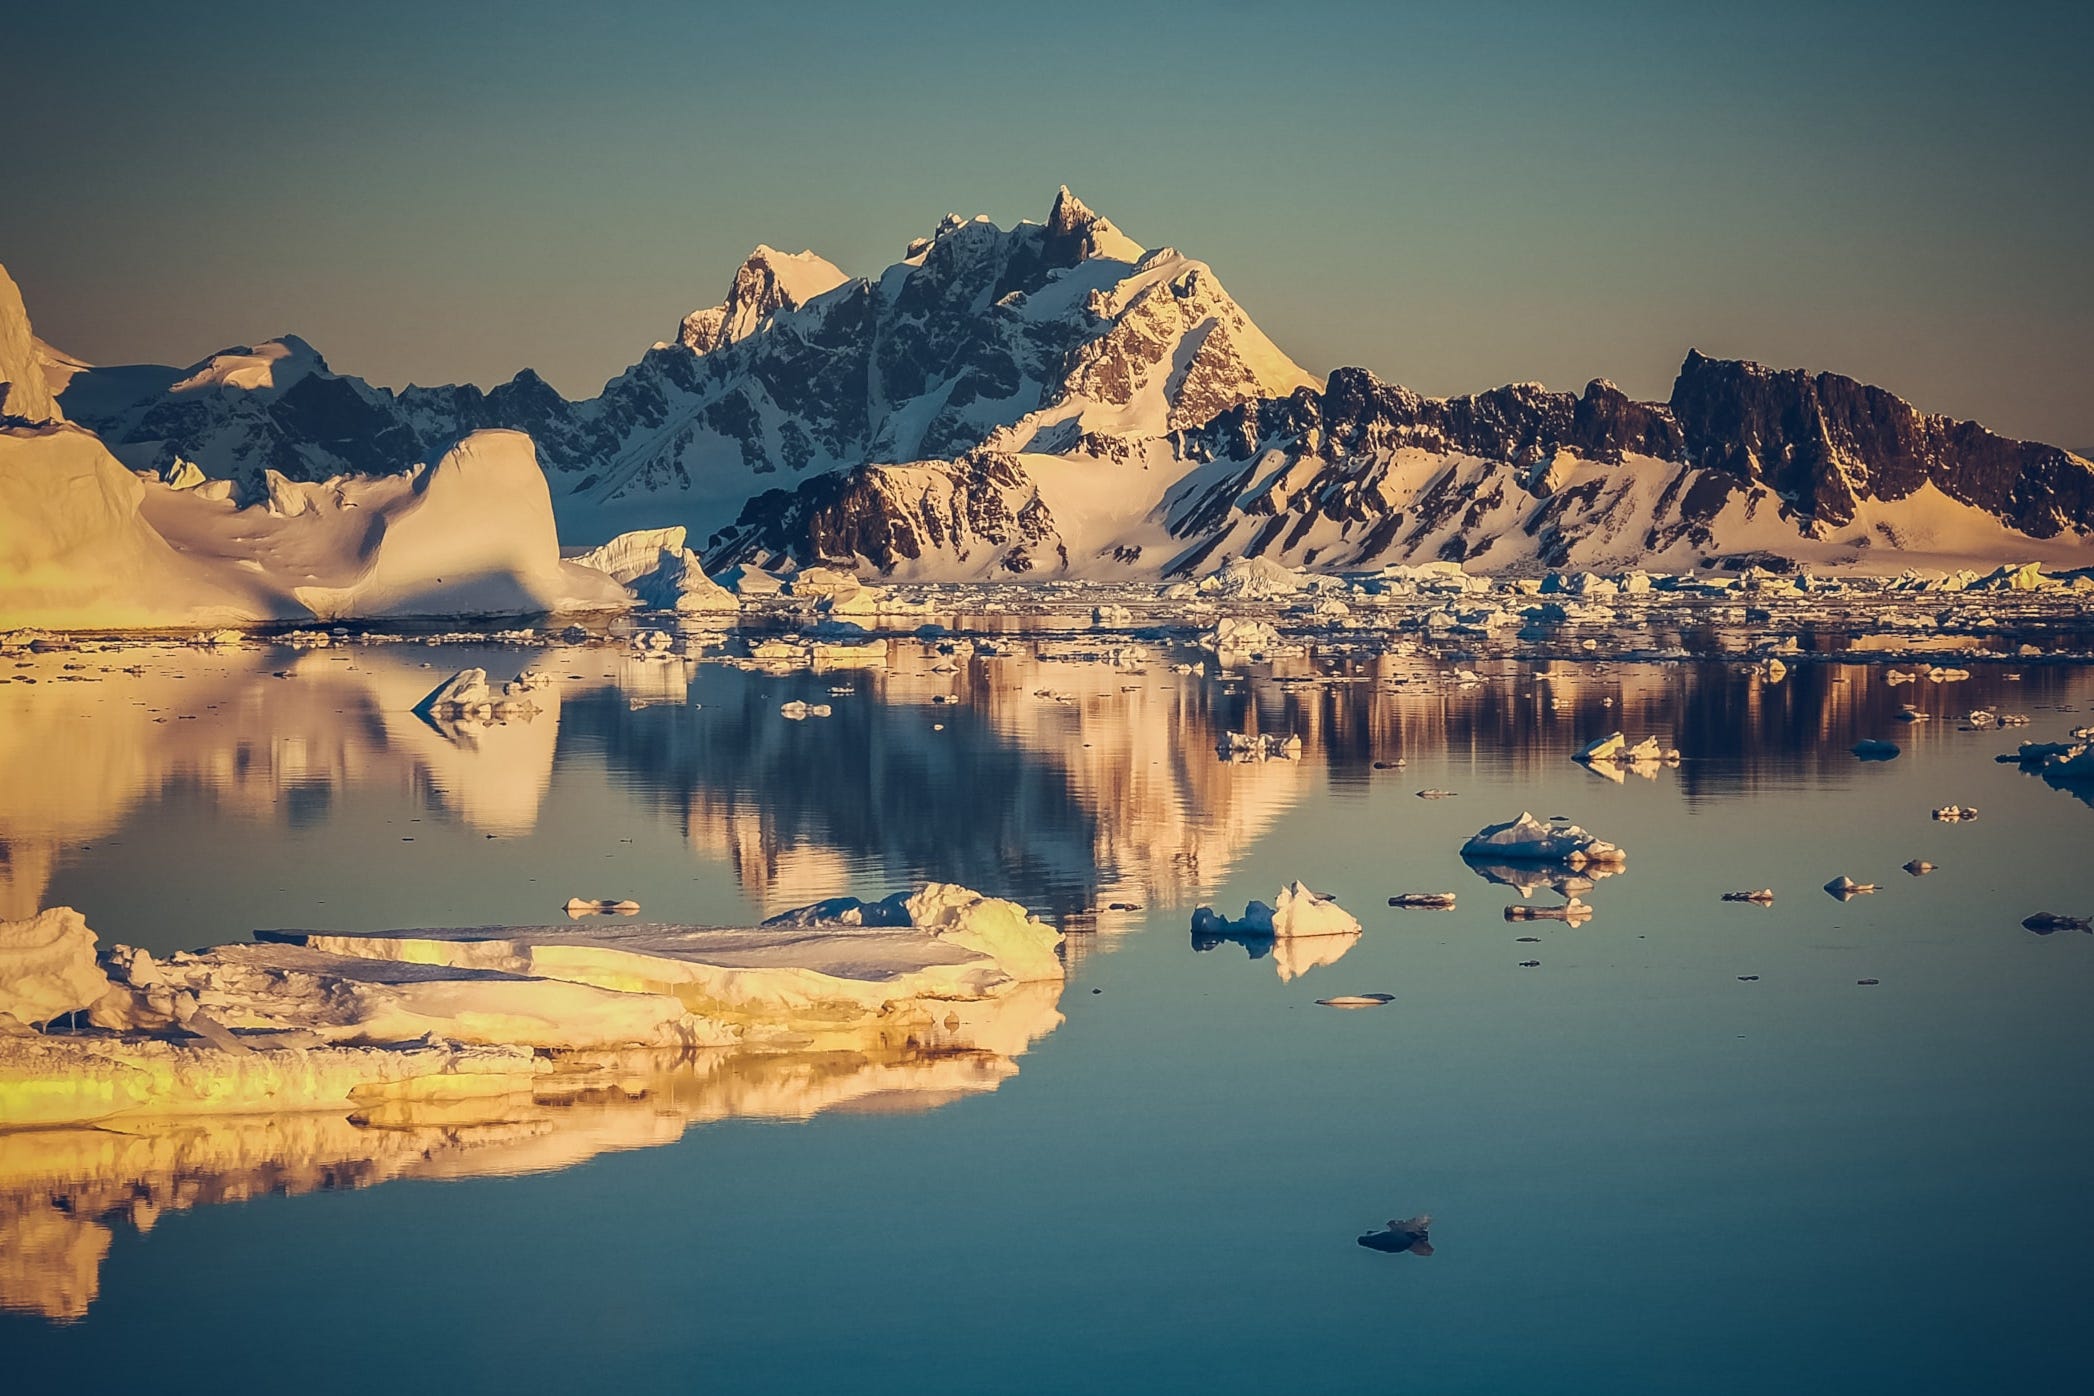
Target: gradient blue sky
[[1453, 195]]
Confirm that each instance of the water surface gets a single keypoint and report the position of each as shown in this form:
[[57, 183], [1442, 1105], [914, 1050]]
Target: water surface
[[1686, 1150]]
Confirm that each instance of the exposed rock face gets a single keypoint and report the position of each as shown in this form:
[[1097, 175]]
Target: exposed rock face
[[1825, 443], [1366, 472], [980, 513]]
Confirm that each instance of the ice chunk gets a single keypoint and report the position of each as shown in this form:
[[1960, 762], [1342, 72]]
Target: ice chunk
[[1529, 840], [354, 1000], [182, 474], [1247, 638], [1251, 579], [1296, 911], [466, 695], [1402, 1237], [601, 906], [47, 967]]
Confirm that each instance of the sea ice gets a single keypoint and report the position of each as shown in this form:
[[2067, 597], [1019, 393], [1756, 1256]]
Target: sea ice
[[1529, 840], [1296, 911], [47, 967]]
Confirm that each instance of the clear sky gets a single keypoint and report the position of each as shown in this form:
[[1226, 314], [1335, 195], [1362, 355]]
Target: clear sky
[[1454, 195]]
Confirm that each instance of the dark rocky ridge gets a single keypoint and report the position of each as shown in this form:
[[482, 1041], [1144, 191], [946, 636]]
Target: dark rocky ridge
[[1821, 442]]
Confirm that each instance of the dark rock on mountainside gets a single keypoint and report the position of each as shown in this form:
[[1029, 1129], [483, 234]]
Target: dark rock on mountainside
[[1825, 443]]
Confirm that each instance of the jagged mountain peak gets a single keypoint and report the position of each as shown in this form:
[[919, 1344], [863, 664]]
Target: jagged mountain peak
[[767, 282], [268, 367], [1070, 222], [1068, 213]]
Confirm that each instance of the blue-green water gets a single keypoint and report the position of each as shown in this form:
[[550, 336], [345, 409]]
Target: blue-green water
[[1646, 1173]]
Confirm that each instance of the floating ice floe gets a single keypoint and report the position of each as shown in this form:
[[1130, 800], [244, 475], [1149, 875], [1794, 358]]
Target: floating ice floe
[[1357, 1000], [1423, 901], [47, 968], [1529, 840], [354, 1020], [657, 568], [1874, 749], [1956, 814], [1296, 911], [466, 695], [1764, 896], [2059, 763], [1574, 912], [1919, 867], [1242, 637], [1845, 887], [1401, 1237], [1613, 757], [601, 906], [1252, 579], [797, 711], [2045, 923]]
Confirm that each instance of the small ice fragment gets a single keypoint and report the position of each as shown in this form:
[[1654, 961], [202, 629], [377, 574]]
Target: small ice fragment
[[601, 906], [1423, 901], [1407, 1236]]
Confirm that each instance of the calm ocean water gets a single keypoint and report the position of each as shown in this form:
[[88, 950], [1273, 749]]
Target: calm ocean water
[[1687, 1150]]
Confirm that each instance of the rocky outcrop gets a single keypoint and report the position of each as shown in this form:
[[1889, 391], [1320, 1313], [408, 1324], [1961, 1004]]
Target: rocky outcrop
[[1825, 443], [978, 515], [1365, 472]]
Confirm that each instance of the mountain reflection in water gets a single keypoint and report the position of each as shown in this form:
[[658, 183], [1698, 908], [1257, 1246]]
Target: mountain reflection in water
[[1063, 779]]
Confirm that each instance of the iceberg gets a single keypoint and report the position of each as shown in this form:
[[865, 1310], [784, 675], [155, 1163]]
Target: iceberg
[[1529, 840], [300, 1020], [47, 968], [657, 567], [1299, 929], [1296, 911], [92, 546]]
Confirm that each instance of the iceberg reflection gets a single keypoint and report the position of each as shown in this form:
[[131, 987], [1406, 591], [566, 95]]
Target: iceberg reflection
[[62, 1191]]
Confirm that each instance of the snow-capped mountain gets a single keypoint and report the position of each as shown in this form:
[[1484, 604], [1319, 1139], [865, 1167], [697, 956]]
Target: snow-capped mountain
[[1055, 399], [1743, 460], [979, 336]]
